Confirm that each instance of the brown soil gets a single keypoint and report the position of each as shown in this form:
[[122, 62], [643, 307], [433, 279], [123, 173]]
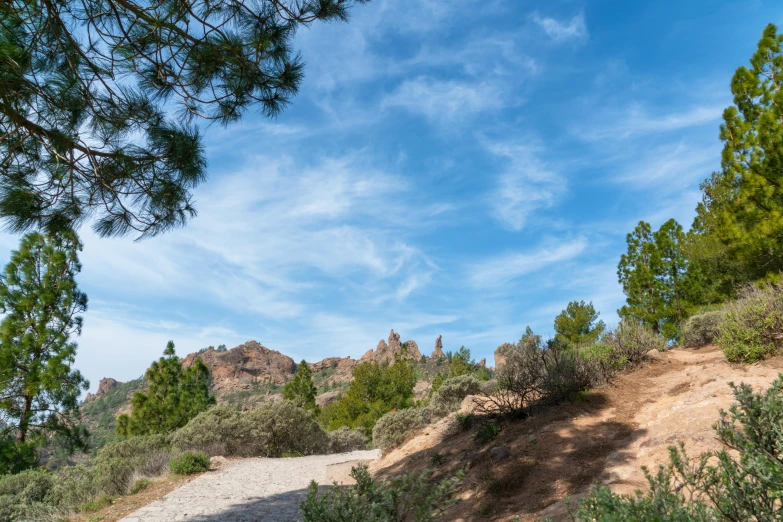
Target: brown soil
[[122, 506], [560, 453]]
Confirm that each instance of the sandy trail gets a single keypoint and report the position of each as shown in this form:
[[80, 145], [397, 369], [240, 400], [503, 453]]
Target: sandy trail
[[250, 490]]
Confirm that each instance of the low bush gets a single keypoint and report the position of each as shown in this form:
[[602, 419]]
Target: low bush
[[702, 329], [392, 429], [189, 463], [283, 427], [412, 497], [752, 326], [487, 432], [742, 481], [451, 393], [632, 341], [119, 463], [219, 431], [346, 439], [139, 485], [465, 421]]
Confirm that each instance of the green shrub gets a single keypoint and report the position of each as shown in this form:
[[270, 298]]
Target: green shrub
[[283, 427], [451, 393], [120, 462], [632, 341], [392, 429], [752, 325], [346, 439], [218, 431], [487, 432], [189, 463], [410, 497], [742, 481], [465, 421], [17, 456], [139, 485], [702, 329]]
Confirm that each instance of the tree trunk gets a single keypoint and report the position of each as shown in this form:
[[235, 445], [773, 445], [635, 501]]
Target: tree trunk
[[24, 419], [656, 328]]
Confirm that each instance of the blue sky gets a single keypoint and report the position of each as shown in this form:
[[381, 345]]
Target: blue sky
[[460, 168]]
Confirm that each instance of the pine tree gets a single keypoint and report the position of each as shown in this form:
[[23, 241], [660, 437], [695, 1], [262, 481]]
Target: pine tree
[[301, 390], [39, 388], [174, 396], [461, 363], [98, 100], [660, 285], [577, 326], [743, 203]]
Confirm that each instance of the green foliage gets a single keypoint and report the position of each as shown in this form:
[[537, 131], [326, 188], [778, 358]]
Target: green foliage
[[742, 481], [139, 485], [702, 329], [437, 459], [120, 462], [392, 429], [658, 282], [487, 432], [283, 427], [345, 439], [39, 388], [270, 431], [577, 326], [742, 208], [97, 102], [752, 325], [17, 456], [411, 497], [451, 393], [465, 420], [100, 413], [189, 463], [301, 390], [376, 389], [173, 397], [460, 363]]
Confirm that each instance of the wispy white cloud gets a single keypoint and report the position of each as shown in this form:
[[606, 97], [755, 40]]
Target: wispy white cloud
[[444, 101], [527, 184], [504, 269], [638, 120], [574, 29]]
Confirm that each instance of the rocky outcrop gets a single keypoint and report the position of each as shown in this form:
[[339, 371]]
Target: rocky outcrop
[[104, 386], [241, 367], [482, 363], [385, 352], [437, 353], [500, 354]]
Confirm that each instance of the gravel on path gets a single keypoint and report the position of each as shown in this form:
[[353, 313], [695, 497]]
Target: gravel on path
[[251, 490]]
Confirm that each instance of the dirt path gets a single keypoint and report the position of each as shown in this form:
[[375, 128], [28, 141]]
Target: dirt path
[[560, 453], [250, 490]]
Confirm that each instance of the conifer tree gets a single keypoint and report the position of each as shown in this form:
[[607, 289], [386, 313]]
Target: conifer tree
[[173, 397], [660, 285], [576, 325], [301, 390], [40, 300], [98, 100], [743, 203]]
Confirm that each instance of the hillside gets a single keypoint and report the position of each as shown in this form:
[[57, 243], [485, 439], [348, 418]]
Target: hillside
[[560, 453], [250, 374]]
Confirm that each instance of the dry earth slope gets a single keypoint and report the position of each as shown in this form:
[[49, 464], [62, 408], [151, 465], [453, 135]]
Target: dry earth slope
[[560, 453]]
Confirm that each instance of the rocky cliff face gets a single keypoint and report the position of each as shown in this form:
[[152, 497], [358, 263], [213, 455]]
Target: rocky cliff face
[[105, 384], [437, 353], [241, 367], [500, 354]]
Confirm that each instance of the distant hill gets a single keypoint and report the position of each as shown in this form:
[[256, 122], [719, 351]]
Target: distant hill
[[250, 374]]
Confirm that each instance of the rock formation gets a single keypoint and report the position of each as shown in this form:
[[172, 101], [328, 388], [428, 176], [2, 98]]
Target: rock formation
[[385, 352], [240, 367], [482, 363], [438, 351], [104, 386], [500, 354]]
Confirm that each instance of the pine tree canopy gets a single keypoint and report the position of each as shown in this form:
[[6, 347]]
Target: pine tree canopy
[[576, 325], [40, 300], [743, 203], [98, 100], [174, 396], [301, 390]]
